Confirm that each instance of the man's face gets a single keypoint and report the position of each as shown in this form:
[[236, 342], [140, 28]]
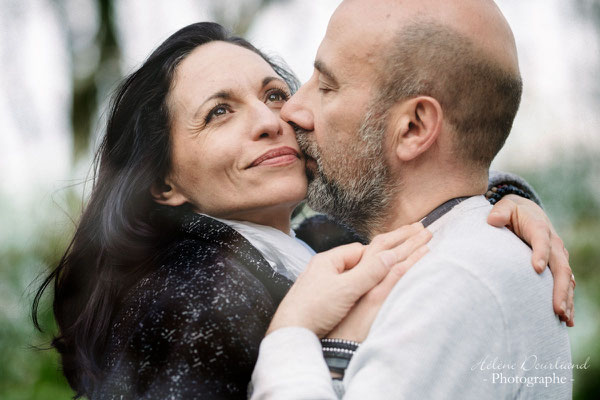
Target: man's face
[[341, 132]]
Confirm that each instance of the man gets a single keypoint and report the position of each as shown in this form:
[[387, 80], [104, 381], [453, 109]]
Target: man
[[409, 103]]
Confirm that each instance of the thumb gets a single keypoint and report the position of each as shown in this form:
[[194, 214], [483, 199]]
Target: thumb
[[501, 213]]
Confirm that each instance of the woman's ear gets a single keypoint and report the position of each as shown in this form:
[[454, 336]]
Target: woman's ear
[[417, 126], [164, 192]]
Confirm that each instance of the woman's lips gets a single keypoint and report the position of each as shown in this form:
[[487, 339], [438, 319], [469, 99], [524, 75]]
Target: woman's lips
[[276, 157]]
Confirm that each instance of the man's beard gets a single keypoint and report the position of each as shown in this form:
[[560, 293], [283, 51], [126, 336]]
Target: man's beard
[[353, 184]]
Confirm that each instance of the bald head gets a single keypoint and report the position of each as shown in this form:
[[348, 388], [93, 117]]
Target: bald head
[[481, 21], [462, 53]]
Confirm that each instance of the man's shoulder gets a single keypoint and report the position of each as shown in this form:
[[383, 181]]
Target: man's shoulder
[[474, 294], [480, 276], [475, 265], [467, 240], [493, 258]]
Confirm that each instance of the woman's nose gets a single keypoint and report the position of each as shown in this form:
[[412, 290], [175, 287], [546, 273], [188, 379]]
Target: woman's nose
[[297, 111]]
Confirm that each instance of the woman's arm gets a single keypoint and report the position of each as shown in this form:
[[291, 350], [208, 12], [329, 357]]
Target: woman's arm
[[522, 213], [528, 221]]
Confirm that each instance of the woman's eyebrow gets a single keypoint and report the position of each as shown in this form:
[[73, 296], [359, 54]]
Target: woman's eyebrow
[[270, 79], [223, 95]]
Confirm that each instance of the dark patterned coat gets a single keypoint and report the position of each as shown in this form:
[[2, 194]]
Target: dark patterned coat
[[192, 328]]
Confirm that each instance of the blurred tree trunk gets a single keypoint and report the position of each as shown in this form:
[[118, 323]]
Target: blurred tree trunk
[[86, 89]]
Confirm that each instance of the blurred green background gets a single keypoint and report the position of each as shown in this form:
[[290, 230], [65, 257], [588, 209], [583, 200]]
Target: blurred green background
[[561, 160]]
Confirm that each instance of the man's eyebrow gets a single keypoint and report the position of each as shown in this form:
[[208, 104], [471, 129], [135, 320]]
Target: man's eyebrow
[[322, 68]]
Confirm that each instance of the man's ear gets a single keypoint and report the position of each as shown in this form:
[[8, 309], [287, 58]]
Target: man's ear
[[416, 127], [165, 193]]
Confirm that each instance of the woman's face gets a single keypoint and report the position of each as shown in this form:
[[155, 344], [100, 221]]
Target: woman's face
[[232, 156]]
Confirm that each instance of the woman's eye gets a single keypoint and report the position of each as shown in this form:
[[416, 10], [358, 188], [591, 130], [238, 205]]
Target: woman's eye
[[277, 96], [220, 111], [217, 111]]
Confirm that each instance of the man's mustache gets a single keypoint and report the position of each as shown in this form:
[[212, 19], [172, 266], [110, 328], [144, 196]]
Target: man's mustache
[[298, 130], [302, 137]]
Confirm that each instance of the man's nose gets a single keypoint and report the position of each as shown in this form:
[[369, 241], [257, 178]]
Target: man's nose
[[267, 122], [297, 110]]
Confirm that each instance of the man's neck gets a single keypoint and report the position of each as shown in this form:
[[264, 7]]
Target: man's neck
[[418, 197]]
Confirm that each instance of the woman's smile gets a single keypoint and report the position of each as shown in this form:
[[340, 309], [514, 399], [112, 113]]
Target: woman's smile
[[278, 157]]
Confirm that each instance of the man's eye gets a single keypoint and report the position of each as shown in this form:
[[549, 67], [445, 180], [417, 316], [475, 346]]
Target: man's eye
[[324, 88]]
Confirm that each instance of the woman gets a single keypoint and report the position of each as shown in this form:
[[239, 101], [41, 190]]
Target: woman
[[153, 297]]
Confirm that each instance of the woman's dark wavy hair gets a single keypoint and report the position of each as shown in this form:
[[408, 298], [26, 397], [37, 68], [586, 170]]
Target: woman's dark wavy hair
[[122, 231]]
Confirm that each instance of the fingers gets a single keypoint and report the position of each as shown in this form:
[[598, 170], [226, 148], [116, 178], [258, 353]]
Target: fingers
[[559, 265], [571, 321], [398, 271], [528, 221], [406, 249], [356, 325], [375, 264], [370, 304], [538, 235], [571, 304], [369, 272], [389, 240], [340, 258], [398, 244], [501, 213]]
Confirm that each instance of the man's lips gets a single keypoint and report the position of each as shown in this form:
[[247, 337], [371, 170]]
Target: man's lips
[[279, 156]]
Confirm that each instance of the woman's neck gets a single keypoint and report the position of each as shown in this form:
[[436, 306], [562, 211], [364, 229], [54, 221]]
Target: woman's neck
[[277, 217]]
